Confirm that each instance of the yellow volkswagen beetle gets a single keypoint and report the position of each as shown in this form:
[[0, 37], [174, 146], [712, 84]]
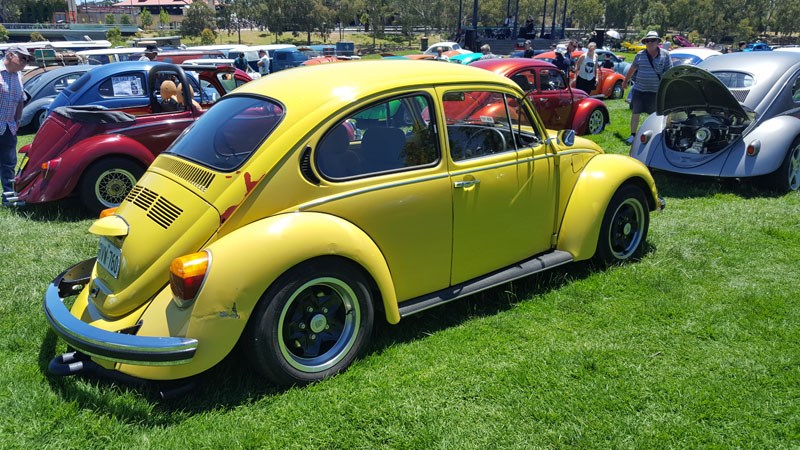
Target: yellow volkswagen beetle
[[310, 203]]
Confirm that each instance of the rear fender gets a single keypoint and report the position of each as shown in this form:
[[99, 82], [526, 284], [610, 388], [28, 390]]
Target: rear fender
[[243, 265], [600, 179], [74, 161], [775, 135]]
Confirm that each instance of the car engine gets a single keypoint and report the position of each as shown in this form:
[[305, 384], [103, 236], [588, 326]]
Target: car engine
[[703, 132]]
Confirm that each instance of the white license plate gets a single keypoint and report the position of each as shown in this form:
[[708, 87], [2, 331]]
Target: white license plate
[[109, 256]]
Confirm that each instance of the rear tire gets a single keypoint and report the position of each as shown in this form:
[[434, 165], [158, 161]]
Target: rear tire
[[624, 228], [617, 91], [106, 182], [787, 177], [311, 323]]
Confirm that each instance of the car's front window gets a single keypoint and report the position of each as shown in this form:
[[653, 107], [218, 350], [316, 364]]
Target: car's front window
[[482, 123], [229, 133]]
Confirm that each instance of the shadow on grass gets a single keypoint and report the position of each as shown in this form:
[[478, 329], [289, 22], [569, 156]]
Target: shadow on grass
[[692, 186], [67, 210], [233, 382]]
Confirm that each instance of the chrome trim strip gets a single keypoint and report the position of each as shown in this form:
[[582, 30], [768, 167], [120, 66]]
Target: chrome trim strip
[[118, 347], [136, 127], [353, 193]]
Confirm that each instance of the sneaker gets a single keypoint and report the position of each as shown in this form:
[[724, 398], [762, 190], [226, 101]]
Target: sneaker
[[629, 141]]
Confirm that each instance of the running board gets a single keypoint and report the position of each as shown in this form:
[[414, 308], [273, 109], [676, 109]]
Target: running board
[[540, 263]]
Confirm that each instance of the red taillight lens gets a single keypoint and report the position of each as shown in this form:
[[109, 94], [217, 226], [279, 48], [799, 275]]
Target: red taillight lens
[[644, 138], [754, 148], [186, 275]]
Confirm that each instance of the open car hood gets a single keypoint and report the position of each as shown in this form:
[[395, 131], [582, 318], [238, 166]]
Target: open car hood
[[690, 87]]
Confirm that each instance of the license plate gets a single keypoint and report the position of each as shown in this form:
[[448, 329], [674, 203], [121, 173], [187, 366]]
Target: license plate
[[109, 257]]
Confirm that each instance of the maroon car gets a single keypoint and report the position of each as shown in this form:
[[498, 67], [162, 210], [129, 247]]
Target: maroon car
[[559, 106], [98, 153]]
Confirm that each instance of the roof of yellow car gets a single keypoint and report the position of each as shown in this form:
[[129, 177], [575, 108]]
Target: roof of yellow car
[[347, 81]]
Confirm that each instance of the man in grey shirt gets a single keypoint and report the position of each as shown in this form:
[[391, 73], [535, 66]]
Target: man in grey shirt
[[648, 66]]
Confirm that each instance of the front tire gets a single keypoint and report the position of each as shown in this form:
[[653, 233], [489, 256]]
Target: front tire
[[106, 183], [596, 122], [311, 323], [624, 228]]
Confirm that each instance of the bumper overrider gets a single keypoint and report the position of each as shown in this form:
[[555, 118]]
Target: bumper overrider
[[113, 346]]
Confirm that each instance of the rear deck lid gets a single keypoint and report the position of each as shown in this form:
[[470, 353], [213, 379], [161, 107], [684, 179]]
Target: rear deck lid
[[690, 87]]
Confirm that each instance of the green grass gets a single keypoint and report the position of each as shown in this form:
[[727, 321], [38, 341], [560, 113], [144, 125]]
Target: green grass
[[695, 346]]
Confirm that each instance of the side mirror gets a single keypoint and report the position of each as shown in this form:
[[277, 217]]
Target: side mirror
[[566, 137]]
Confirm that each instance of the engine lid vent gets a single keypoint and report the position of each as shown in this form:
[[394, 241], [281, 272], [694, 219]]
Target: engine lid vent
[[199, 178], [159, 210], [740, 94]]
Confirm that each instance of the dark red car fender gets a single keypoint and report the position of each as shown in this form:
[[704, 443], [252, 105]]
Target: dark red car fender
[[76, 159], [582, 112]]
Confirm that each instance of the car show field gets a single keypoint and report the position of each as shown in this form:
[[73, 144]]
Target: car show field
[[688, 338]]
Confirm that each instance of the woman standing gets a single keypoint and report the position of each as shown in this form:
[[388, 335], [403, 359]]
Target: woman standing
[[586, 69]]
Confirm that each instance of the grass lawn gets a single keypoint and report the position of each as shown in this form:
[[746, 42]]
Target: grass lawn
[[695, 346]]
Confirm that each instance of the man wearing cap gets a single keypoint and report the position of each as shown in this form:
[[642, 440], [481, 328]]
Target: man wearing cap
[[648, 67], [150, 53], [12, 100]]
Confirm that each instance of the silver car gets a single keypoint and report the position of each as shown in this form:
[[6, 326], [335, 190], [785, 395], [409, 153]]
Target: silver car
[[732, 116]]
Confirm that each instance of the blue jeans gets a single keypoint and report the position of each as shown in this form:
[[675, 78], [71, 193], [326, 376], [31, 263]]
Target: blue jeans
[[8, 159]]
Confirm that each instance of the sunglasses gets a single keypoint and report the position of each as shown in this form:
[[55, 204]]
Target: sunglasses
[[648, 41], [22, 58]]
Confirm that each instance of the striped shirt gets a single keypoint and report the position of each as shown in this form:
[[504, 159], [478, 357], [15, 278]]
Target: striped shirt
[[10, 96], [646, 79]]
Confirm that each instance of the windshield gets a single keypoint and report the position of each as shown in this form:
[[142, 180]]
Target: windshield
[[229, 133]]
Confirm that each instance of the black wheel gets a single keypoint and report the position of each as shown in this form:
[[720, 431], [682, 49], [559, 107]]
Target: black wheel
[[106, 182], [312, 323], [624, 228], [596, 122], [617, 91], [787, 177]]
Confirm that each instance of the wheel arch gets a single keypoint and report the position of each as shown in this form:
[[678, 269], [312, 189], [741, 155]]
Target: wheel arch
[[580, 121], [80, 156], [776, 136], [600, 179]]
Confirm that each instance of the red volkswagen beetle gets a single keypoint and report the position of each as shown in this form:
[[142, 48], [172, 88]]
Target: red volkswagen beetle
[[610, 84], [559, 106]]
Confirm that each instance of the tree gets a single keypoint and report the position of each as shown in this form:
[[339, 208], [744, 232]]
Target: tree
[[114, 36], [163, 18], [198, 18], [588, 13], [207, 37], [110, 19], [145, 19], [3, 33], [37, 37], [125, 20]]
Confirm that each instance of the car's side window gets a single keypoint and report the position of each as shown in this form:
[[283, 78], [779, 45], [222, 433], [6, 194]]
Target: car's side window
[[123, 85], [386, 137], [63, 82], [525, 80], [796, 89], [478, 124], [551, 80]]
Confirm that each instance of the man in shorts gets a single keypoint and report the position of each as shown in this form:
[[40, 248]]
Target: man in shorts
[[648, 67]]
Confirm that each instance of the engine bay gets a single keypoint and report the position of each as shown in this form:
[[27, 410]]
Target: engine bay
[[703, 131]]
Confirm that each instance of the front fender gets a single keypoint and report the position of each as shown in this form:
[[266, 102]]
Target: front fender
[[243, 265], [62, 180], [580, 121], [600, 179], [776, 135]]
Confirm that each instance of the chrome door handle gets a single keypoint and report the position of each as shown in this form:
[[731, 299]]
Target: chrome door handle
[[466, 183]]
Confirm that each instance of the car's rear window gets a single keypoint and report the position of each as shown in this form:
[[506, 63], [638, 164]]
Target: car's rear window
[[735, 80], [229, 133]]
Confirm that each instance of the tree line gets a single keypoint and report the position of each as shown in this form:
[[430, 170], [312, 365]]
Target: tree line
[[711, 19]]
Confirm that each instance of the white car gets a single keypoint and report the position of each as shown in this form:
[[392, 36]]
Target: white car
[[446, 47]]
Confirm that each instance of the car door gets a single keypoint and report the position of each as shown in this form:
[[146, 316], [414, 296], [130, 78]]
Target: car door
[[501, 181], [119, 90], [553, 99]]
